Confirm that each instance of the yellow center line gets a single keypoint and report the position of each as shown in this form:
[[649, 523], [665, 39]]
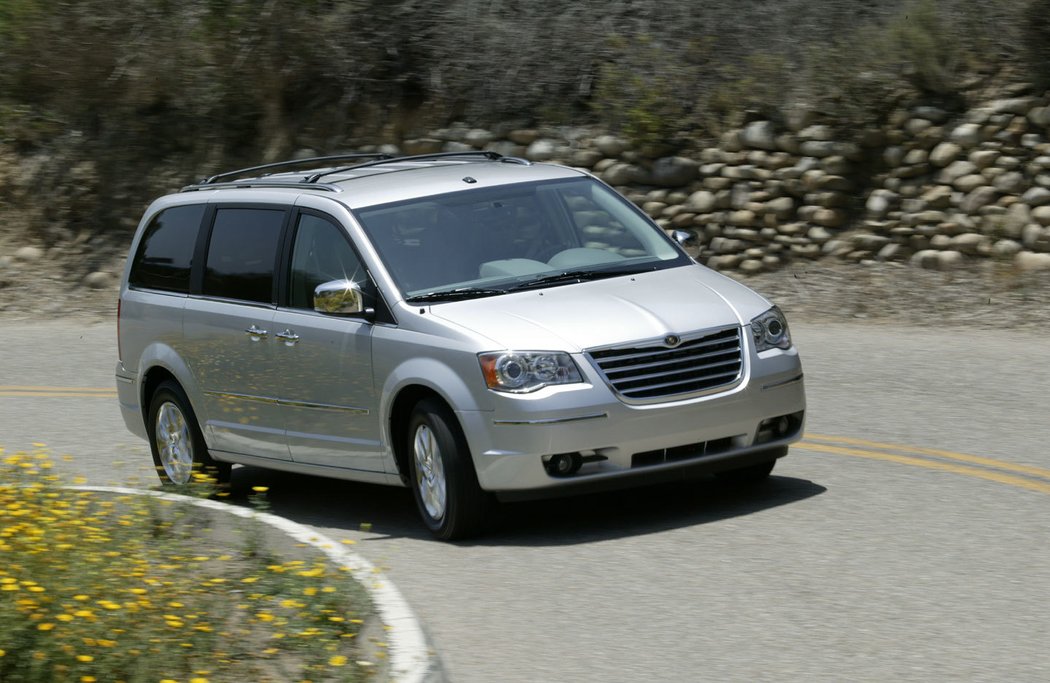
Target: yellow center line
[[54, 394], [998, 477], [32, 387], [935, 452], [33, 391]]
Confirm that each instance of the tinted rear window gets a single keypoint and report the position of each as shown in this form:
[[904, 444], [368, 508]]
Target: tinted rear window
[[165, 254], [242, 254]]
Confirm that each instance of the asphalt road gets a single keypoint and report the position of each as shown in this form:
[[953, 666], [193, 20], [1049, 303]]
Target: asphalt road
[[908, 538]]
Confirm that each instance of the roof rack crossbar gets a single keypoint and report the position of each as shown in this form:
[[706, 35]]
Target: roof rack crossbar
[[294, 162], [491, 156]]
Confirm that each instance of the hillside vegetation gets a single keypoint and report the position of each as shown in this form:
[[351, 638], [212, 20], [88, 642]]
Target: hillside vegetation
[[103, 105]]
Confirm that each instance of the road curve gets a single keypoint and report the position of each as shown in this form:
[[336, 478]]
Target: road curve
[[905, 538]]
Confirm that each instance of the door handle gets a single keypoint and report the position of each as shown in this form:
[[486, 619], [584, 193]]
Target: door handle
[[256, 333], [288, 337]]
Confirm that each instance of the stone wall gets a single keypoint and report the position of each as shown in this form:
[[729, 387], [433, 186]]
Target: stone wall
[[932, 187]]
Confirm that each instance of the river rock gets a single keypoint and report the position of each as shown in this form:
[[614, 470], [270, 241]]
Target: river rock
[[29, 254], [701, 201], [968, 183], [1010, 183], [751, 266], [422, 146], [543, 149], [99, 280], [967, 243], [760, 135], [1040, 116], [781, 207], [978, 198], [478, 137], [937, 197], [966, 135], [1028, 261], [818, 148], [916, 157], [623, 174], [524, 136], [1036, 196], [829, 218], [926, 258], [586, 158], [944, 154], [1031, 235], [1014, 105], [983, 158], [673, 172], [955, 170], [949, 260], [1006, 248], [610, 145], [1041, 215], [880, 202]]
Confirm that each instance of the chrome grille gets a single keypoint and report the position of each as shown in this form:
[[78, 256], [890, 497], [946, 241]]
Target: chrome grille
[[655, 372]]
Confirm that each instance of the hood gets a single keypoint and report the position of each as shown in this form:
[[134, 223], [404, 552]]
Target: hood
[[608, 312]]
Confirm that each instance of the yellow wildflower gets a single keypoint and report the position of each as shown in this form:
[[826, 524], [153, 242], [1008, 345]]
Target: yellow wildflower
[[337, 660]]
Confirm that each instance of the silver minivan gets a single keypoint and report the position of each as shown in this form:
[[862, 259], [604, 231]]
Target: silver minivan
[[472, 326]]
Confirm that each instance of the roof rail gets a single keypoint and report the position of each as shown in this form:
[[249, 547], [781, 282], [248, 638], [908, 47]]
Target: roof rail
[[491, 156], [293, 162], [240, 184]]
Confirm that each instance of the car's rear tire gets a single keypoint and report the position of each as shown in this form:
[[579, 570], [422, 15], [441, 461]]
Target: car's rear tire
[[441, 473], [751, 474], [179, 453]]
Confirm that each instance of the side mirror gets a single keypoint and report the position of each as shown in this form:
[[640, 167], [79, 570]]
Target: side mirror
[[684, 237], [340, 297]]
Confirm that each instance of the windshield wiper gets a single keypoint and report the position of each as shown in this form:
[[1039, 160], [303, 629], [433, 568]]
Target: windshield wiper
[[571, 276], [455, 294]]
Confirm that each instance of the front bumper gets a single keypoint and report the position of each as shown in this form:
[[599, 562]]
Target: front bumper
[[626, 444]]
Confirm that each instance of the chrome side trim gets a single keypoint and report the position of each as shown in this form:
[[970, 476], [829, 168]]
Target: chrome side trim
[[244, 397], [783, 382], [323, 406], [125, 380], [281, 402], [551, 420]]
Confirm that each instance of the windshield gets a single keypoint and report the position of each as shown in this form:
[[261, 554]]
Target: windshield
[[487, 241]]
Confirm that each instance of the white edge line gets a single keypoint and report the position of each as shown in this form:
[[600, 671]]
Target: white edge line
[[409, 653]]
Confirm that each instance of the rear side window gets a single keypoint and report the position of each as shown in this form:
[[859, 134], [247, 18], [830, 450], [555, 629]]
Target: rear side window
[[242, 254], [165, 254]]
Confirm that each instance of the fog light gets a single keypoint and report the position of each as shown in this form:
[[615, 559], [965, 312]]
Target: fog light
[[563, 464]]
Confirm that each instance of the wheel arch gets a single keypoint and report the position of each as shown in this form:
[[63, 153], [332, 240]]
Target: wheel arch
[[159, 363], [151, 380], [400, 413]]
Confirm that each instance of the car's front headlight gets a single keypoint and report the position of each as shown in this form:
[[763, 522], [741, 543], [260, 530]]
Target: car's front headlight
[[520, 372], [770, 331]]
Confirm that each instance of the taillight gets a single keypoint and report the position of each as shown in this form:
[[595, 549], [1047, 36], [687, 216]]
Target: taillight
[[120, 354]]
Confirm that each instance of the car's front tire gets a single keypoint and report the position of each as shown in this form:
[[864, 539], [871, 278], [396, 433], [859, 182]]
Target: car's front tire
[[179, 453], [442, 476]]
